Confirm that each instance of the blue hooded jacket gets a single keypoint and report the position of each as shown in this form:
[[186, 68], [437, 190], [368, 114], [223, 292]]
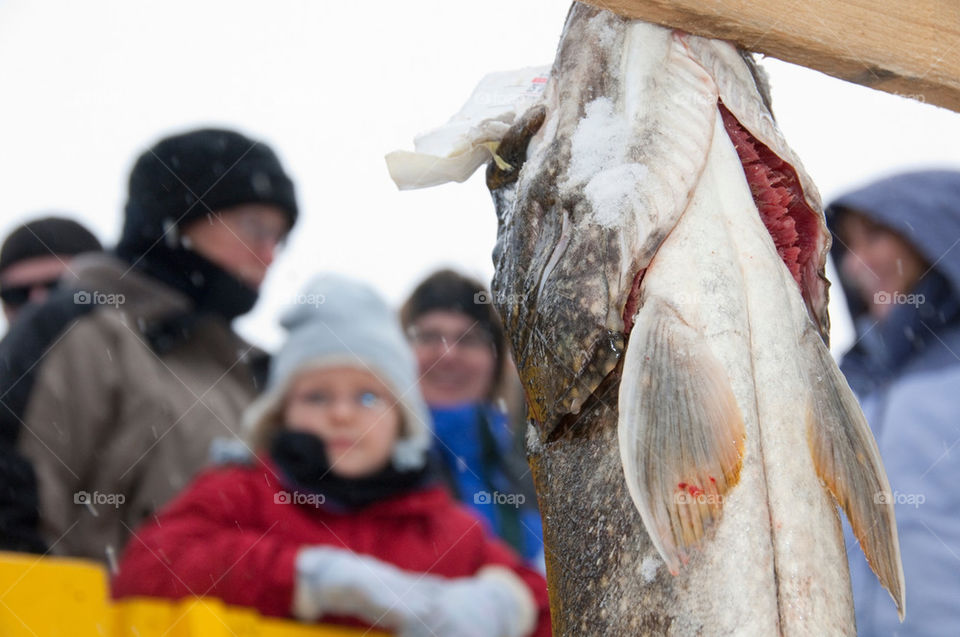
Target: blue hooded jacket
[[475, 447], [906, 373]]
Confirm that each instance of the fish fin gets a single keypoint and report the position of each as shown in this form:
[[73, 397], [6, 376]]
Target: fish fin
[[847, 460], [680, 429]]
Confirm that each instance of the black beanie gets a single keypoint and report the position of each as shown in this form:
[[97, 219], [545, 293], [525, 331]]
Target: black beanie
[[188, 176], [49, 236]]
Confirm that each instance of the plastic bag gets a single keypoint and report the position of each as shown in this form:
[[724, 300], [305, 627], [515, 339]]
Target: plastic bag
[[469, 139]]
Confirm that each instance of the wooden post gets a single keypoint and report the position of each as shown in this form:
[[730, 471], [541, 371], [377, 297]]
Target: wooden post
[[911, 49]]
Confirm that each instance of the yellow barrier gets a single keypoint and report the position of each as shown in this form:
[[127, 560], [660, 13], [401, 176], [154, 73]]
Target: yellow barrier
[[64, 597]]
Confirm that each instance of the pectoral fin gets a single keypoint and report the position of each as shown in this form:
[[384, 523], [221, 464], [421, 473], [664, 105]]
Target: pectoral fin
[[681, 432], [847, 459]]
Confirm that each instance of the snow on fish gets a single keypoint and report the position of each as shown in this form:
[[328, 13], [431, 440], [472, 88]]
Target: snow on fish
[[660, 271]]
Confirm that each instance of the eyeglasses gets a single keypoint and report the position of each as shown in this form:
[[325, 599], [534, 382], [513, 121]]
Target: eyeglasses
[[18, 295], [251, 229], [368, 401], [474, 339]]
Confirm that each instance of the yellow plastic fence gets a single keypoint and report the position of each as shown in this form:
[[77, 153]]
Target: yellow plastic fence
[[62, 597]]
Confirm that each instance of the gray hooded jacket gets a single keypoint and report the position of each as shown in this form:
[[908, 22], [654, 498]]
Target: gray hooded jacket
[[906, 372]]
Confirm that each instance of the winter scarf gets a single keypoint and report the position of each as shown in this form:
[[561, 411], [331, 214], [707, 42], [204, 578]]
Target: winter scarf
[[303, 460]]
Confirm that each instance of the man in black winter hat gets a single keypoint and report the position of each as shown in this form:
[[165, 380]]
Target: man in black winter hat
[[123, 380], [210, 202], [35, 255]]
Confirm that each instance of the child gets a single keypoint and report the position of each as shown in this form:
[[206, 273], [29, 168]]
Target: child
[[340, 518]]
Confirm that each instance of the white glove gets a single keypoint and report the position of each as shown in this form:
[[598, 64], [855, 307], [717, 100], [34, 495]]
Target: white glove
[[495, 603], [332, 581]]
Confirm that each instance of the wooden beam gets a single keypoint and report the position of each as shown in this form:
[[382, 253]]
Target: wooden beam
[[907, 47]]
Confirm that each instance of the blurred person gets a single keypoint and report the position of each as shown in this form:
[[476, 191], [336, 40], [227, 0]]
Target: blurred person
[[35, 255], [896, 251], [463, 359], [117, 384], [32, 259], [340, 517]]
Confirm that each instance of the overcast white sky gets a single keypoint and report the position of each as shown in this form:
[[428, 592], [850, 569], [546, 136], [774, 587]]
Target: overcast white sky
[[333, 86]]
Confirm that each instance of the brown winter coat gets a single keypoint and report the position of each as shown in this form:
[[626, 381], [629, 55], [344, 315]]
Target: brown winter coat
[[127, 424]]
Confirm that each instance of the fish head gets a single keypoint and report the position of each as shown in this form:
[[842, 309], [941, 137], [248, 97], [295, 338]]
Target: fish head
[[562, 279], [560, 297]]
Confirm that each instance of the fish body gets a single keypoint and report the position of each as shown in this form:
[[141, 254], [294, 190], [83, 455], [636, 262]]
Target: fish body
[[659, 268]]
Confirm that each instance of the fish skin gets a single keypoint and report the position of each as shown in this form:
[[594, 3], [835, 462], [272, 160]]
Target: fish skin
[[728, 296], [772, 561]]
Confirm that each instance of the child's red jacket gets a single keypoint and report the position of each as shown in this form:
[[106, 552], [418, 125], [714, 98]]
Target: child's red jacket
[[235, 531]]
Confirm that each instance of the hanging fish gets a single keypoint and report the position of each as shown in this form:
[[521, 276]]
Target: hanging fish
[[660, 271]]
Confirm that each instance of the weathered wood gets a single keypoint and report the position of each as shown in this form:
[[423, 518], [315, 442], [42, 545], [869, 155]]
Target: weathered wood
[[911, 49]]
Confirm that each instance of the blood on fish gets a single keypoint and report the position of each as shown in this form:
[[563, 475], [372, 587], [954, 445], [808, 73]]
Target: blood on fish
[[779, 198], [633, 299], [692, 489]]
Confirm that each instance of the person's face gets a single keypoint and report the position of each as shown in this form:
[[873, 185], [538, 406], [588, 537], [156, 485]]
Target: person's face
[[457, 358], [242, 240], [29, 281], [352, 412], [878, 263]]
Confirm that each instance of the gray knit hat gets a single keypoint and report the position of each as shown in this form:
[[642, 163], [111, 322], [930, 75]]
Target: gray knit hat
[[339, 321]]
